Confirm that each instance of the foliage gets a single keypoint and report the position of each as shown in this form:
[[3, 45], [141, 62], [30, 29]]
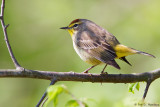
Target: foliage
[[55, 90], [74, 103], [133, 86]]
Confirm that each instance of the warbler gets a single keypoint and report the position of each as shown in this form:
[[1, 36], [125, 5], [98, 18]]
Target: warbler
[[96, 46]]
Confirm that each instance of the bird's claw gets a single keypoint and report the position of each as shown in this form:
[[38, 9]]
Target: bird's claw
[[102, 73]]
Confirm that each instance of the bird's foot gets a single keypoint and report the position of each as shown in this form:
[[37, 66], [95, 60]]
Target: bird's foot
[[103, 73], [86, 72]]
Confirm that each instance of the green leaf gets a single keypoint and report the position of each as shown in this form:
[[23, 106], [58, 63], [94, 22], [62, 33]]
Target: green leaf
[[130, 87], [53, 92], [74, 103], [133, 86], [88, 99], [137, 86], [85, 104]]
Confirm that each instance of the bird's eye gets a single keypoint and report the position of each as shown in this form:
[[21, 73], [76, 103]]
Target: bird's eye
[[75, 25]]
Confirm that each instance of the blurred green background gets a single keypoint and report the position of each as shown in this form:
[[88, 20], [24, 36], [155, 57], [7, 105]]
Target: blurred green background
[[39, 44]]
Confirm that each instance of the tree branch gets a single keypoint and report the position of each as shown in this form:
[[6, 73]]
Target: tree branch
[[81, 77], [4, 27], [148, 77]]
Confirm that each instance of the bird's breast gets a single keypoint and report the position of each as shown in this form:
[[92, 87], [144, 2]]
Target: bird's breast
[[85, 56]]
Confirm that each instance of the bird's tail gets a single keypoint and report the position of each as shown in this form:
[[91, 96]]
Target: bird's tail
[[144, 53], [122, 51]]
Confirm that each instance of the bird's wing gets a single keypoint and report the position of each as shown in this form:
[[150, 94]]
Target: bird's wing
[[103, 34], [97, 48]]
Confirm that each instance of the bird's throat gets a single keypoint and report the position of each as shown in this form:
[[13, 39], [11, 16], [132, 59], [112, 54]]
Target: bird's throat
[[71, 32]]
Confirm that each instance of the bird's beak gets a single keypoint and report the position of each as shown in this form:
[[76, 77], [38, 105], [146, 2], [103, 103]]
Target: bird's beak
[[64, 27]]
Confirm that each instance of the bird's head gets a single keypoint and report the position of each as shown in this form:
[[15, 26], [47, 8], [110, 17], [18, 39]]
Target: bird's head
[[75, 26]]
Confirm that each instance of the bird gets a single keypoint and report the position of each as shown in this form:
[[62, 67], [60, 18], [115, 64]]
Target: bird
[[97, 46]]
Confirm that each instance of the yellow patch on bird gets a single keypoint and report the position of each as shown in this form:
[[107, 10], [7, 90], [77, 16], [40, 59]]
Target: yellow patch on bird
[[93, 61], [71, 32], [122, 51], [71, 25]]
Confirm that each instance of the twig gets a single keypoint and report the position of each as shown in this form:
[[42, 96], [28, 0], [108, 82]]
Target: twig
[[44, 102], [44, 95], [17, 65], [146, 89]]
